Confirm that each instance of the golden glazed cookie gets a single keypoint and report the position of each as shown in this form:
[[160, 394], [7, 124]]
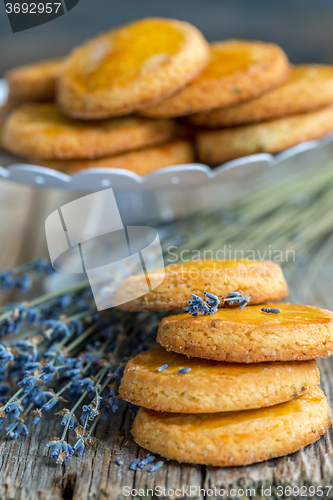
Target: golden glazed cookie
[[33, 82], [212, 386], [130, 67], [218, 146], [234, 438], [259, 280], [250, 335], [238, 70], [142, 162], [309, 86], [41, 131], [4, 112], [1, 132]]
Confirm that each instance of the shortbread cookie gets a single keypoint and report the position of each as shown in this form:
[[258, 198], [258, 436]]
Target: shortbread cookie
[[152, 380], [41, 131], [309, 87], [1, 132], [250, 335], [130, 67], [142, 162], [238, 70], [33, 82], [217, 146], [4, 112], [235, 438], [259, 280]]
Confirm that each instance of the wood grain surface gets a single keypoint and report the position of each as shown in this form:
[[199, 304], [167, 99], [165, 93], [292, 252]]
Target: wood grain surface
[[27, 472]]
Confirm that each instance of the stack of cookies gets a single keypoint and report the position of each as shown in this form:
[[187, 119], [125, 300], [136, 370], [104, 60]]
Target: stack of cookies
[[113, 102], [226, 102], [298, 110], [94, 93], [234, 387]]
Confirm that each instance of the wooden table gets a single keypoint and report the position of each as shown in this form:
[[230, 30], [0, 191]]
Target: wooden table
[[28, 473]]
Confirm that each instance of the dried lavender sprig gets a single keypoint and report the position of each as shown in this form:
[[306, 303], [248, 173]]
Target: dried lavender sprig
[[32, 380], [100, 375], [146, 461], [45, 299], [84, 368], [22, 277], [134, 464], [90, 411], [39, 265], [155, 467], [236, 298], [14, 429], [273, 310], [56, 396], [84, 436], [61, 450], [198, 304], [122, 345], [184, 370]]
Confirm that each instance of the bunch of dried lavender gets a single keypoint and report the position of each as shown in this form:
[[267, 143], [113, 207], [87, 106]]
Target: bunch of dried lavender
[[58, 349]]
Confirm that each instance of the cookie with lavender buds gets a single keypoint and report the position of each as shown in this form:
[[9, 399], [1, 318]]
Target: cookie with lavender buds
[[166, 381], [237, 70], [256, 281], [251, 335], [234, 438]]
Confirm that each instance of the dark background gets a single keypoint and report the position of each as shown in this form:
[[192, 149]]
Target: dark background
[[304, 28]]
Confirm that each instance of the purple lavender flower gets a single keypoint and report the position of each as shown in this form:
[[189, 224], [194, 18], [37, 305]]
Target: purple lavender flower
[[67, 415], [213, 302], [24, 282], [134, 464], [37, 415], [54, 398], [58, 329], [30, 366], [5, 393], [79, 445], [196, 305], [29, 381], [84, 439], [3, 417], [48, 372], [6, 356], [237, 298], [61, 450], [89, 412], [7, 282], [26, 349], [15, 408], [88, 383], [14, 429]]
